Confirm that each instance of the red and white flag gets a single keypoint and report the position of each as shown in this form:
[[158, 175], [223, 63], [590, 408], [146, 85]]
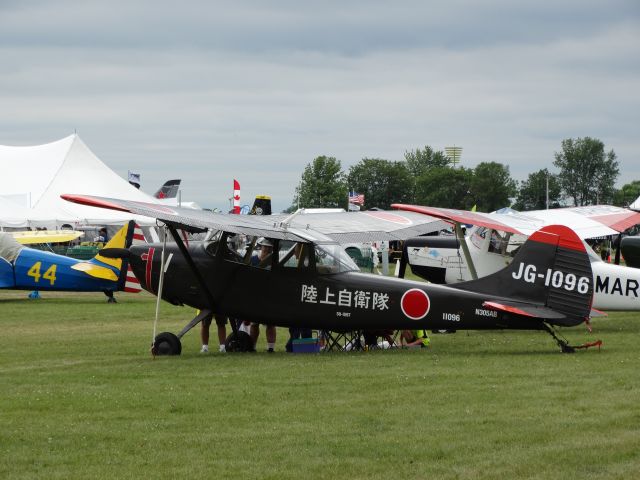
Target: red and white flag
[[236, 197]]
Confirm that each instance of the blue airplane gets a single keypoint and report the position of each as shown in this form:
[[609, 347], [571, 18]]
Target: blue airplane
[[24, 268]]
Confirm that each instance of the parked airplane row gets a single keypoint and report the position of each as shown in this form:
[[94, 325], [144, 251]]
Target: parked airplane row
[[512, 271], [309, 281]]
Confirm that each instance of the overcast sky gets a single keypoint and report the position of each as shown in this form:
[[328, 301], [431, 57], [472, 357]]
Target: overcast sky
[[209, 91]]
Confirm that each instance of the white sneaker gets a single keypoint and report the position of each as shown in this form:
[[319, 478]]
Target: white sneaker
[[204, 349], [223, 349]]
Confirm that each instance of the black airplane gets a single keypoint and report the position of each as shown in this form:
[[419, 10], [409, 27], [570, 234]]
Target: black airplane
[[305, 279]]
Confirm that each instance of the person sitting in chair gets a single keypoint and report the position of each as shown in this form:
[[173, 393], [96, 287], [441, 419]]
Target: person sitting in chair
[[415, 338]]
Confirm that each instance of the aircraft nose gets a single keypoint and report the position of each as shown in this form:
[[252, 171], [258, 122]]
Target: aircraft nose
[[141, 259]]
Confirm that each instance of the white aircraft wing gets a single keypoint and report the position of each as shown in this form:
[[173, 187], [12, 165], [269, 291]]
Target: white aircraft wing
[[345, 227], [587, 222]]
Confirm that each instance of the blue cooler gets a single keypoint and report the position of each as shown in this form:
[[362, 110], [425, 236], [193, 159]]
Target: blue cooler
[[305, 345]]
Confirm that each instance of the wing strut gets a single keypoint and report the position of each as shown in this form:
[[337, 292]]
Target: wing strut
[[465, 250], [159, 297], [196, 272]]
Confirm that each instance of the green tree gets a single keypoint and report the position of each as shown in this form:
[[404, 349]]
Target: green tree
[[419, 162], [381, 181], [587, 174], [627, 194], [322, 185], [492, 186], [445, 187], [532, 194]]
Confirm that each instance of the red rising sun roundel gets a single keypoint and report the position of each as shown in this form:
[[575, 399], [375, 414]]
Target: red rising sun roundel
[[415, 304]]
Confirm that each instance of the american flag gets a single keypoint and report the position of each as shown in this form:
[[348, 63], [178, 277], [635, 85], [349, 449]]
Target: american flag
[[356, 198]]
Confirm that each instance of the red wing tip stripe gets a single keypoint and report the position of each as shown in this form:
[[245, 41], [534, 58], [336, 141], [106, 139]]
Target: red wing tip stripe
[[506, 308], [132, 290], [92, 202], [619, 222], [458, 216], [559, 235]]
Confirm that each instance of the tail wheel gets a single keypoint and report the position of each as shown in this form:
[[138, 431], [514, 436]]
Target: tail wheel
[[239, 342], [166, 343]]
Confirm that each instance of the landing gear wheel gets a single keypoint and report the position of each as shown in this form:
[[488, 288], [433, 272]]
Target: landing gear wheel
[[239, 342], [166, 343]]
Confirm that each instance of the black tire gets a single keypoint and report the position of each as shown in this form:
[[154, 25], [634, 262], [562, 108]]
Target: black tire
[[239, 342], [166, 343]]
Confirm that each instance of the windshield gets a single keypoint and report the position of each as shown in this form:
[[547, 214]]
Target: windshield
[[9, 247], [212, 241], [331, 258]]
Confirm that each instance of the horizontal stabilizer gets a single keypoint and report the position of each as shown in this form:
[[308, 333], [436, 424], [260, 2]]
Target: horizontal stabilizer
[[96, 271], [597, 313], [525, 309]]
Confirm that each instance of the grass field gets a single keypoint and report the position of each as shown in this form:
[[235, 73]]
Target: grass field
[[82, 398]]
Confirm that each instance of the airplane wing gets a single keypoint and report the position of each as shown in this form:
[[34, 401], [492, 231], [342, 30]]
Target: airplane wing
[[587, 222], [344, 227], [45, 236]]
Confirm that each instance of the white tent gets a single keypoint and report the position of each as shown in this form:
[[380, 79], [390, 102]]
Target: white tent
[[38, 175], [15, 215]]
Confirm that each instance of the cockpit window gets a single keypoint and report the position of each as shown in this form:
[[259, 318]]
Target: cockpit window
[[331, 258], [498, 242], [212, 242], [478, 236], [293, 255], [9, 247]]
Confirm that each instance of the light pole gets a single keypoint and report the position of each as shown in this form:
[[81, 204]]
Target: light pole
[[454, 153]]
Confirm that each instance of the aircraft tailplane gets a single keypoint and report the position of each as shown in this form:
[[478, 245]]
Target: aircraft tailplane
[[168, 190], [130, 233], [261, 205], [550, 277]]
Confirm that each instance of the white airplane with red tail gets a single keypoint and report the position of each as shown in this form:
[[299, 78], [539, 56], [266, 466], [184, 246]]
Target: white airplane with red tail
[[496, 237]]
